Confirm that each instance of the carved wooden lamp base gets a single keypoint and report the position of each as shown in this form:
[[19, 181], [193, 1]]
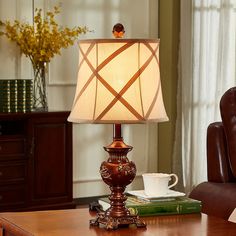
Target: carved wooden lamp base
[[112, 223], [117, 172]]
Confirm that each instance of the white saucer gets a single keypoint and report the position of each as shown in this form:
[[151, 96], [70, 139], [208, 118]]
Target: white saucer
[[170, 193]]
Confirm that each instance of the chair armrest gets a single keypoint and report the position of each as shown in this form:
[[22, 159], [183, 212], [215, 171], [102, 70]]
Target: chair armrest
[[218, 168], [218, 199]]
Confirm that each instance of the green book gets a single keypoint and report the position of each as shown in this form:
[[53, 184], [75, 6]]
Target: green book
[[15, 95], [179, 205]]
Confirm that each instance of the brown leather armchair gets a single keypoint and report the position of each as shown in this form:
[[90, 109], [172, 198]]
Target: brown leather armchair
[[218, 195]]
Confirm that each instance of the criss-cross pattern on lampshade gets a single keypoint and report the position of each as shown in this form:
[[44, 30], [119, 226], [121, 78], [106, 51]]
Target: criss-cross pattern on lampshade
[[118, 82]]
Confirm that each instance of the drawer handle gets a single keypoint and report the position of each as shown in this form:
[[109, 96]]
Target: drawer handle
[[1, 174], [1, 197], [0, 148], [32, 146]]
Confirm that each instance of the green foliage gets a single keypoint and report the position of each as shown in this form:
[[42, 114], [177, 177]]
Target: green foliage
[[42, 40]]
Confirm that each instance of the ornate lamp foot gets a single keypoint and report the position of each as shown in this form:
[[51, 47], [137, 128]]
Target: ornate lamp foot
[[112, 223]]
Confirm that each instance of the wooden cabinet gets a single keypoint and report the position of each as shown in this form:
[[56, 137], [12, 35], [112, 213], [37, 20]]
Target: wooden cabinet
[[35, 161]]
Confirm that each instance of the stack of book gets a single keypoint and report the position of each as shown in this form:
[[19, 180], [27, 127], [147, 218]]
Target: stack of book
[[15, 95], [169, 205]]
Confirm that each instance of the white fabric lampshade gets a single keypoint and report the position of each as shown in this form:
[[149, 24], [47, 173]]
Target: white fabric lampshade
[[118, 82]]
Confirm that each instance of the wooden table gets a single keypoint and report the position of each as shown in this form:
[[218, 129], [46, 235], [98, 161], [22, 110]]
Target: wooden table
[[76, 222]]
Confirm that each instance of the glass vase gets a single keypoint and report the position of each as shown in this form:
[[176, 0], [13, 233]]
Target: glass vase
[[39, 87]]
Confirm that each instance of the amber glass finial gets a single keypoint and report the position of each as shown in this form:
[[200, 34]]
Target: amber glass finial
[[118, 30]]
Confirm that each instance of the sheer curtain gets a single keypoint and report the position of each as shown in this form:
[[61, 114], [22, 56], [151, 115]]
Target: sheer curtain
[[206, 70]]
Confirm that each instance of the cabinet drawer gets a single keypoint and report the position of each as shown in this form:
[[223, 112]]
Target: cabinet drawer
[[12, 195], [12, 172], [12, 147]]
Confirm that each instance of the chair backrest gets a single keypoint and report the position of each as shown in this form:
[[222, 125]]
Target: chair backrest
[[228, 115]]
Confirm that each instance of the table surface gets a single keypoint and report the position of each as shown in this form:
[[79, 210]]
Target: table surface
[[76, 222]]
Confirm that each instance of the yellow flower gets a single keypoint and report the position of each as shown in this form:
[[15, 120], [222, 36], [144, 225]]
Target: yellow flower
[[42, 40]]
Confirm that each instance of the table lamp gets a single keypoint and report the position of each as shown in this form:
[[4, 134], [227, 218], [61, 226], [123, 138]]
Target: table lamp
[[118, 83]]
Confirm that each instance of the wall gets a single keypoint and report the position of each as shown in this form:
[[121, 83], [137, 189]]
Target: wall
[[169, 28], [12, 65], [140, 20]]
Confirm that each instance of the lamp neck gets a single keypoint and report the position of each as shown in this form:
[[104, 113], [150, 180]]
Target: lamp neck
[[117, 134]]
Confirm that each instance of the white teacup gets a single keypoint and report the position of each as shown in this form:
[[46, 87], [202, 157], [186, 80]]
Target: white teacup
[[157, 184]]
